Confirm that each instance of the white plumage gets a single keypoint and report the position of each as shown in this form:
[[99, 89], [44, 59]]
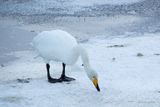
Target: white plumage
[[55, 45], [60, 46]]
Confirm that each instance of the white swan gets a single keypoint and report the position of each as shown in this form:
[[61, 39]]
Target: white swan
[[60, 46]]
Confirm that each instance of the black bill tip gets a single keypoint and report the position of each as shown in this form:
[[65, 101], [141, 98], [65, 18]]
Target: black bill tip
[[97, 87]]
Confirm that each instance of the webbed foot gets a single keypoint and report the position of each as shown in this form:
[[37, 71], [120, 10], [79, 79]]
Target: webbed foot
[[54, 80], [65, 78]]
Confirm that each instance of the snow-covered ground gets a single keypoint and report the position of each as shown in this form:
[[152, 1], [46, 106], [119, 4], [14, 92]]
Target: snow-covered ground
[[128, 71], [122, 39], [54, 6], [32, 9]]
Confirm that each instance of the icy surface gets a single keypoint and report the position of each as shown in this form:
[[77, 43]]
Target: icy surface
[[121, 36], [56, 8], [126, 79], [93, 2]]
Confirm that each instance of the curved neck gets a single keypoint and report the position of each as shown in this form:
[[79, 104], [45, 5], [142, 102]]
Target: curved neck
[[79, 51], [84, 57]]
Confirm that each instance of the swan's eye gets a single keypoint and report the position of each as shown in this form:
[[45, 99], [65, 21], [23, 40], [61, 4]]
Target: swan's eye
[[94, 77]]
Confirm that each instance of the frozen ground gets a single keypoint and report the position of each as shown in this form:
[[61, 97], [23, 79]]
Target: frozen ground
[[122, 39], [49, 9], [126, 79], [29, 7]]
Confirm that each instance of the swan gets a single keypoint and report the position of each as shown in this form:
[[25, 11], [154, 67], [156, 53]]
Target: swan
[[59, 45]]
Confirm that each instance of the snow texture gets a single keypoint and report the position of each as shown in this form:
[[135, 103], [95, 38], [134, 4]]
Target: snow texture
[[56, 8], [125, 78], [121, 37]]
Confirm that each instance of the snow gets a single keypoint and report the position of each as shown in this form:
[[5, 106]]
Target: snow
[[126, 80], [32, 7], [100, 2], [123, 49]]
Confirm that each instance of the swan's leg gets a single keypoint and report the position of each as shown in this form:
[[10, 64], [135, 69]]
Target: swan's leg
[[63, 76], [50, 79]]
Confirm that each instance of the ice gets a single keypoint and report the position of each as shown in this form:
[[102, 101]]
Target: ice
[[100, 2], [121, 37], [128, 80]]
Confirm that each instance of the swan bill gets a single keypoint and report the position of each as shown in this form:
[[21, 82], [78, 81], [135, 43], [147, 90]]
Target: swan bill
[[97, 87], [95, 82]]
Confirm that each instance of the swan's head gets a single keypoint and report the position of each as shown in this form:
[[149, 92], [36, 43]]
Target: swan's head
[[93, 76]]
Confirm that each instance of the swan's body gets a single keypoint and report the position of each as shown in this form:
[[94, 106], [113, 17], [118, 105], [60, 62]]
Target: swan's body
[[60, 46], [56, 45]]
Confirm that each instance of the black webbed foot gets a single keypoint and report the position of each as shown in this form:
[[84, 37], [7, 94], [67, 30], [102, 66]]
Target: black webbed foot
[[65, 78], [54, 80]]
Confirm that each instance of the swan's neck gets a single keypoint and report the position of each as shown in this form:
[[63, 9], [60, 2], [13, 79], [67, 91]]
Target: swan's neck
[[79, 51], [84, 57]]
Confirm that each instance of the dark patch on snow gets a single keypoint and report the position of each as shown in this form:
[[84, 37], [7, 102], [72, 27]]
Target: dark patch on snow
[[139, 55], [26, 80], [116, 46], [113, 59], [32, 31], [11, 99], [82, 39], [157, 54], [2, 65]]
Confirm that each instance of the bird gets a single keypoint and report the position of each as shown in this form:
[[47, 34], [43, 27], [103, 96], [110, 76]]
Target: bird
[[58, 45]]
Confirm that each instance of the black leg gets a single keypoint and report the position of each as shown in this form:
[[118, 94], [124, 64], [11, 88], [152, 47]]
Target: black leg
[[63, 70], [50, 79], [48, 73], [63, 76]]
